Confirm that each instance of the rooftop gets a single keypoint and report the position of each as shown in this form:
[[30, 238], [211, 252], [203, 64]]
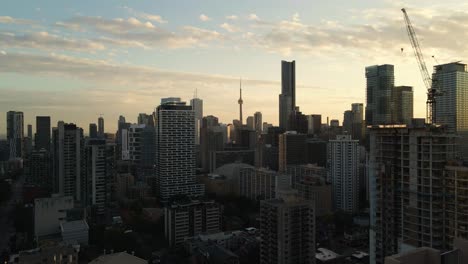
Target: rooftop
[[118, 258]]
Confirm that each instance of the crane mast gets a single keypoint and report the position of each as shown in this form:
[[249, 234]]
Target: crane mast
[[428, 82]]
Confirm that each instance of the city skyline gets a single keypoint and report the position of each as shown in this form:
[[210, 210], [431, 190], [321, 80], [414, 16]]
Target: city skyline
[[81, 62]]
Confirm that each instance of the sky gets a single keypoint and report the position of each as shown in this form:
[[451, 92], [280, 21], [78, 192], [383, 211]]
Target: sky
[[77, 60]]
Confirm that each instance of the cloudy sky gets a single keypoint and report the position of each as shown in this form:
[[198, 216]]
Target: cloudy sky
[[75, 60]]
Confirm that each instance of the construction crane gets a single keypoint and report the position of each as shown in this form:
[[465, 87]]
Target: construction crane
[[428, 82]]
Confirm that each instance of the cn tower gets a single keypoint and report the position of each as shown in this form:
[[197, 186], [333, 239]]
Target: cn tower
[[240, 101]]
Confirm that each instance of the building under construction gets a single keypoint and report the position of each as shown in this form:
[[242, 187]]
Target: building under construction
[[408, 190]]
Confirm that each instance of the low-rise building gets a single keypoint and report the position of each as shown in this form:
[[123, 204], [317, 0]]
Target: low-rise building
[[49, 213], [75, 231]]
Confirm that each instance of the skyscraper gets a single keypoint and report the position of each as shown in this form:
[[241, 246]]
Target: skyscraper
[[250, 123], [30, 131], [380, 82], [452, 106], [211, 139], [15, 134], [197, 107], [292, 149], [93, 132], [298, 121], [343, 164], [402, 104], [357, 126], [101, 127], [175, 150], [67, 140], [287, 98], [42, 137], [95, 177], [258, 125], [314, 123], [287, 231]]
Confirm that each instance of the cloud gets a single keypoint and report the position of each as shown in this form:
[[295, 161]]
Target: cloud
[[232, 17], [253, 17], [147, 16], [46, 41], [11, 20], [3, 52], [204, 18], [229, 27]]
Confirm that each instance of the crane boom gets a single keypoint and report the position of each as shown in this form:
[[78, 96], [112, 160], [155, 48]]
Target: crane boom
[[428, 82]]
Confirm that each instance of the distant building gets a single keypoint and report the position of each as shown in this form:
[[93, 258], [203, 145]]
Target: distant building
[[222, 157], [258, 125], [287, 231], [314, 123], [452, 81], [101, 127], [380, 81], [39, 167], [197, 107], [124, 182], [190, 218], [402, 104], [49, 253], [250, 123], [49, 213], [93, 131], [175, 150], [67, 159], [298, 121], [211, 139], [292, 149], [287, 98], [145, 119], [310, 182], [139, 147], [96, 175], [15, 134], [258, 183], [42, 136], [316, 151], [343, 164]]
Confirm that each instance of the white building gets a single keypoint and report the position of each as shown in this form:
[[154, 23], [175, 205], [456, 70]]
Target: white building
[[175, 150], [343, 172], [49, 213]]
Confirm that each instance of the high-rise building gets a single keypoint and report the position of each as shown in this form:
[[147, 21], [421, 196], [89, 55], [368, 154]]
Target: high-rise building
[[298, 122], [402, 104], [211, 139], [197, 107], [42, 137], [28, 142], [314, 123], [451, 107], [39, 166], [67, 140], [357, 124], [139, 147], [95, 178], [185, 219], [287, 98], [15, 134], [410, 198], [347, 121], [287, 231], [380, 82], [259, 183], [258, 125], [310, 182], [241, 102], [292, 149], [101, 127], [343, 166], [175, 150], [93, 132], [250, 123], [145, 119]]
